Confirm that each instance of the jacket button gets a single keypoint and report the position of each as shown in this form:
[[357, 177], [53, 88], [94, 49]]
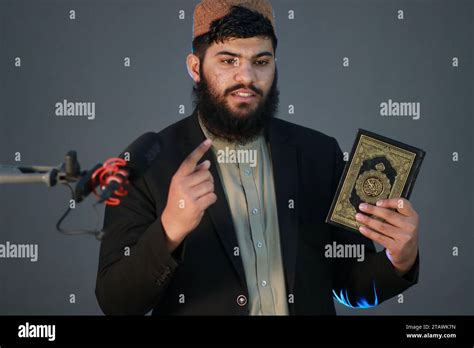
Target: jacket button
[[241, 300]]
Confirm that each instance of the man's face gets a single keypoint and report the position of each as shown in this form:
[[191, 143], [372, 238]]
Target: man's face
[[236, 92], [240, 73]]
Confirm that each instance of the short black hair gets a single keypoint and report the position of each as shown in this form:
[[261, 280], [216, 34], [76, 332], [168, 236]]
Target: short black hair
[[241, 23]]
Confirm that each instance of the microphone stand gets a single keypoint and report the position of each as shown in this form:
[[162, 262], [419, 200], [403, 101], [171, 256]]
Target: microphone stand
[[69, 171], [65, 173]]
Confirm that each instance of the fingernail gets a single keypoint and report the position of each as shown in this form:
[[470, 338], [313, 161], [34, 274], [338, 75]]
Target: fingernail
[[379, 203], [359, 216], [207, 142], [362, 229], [362, 206]]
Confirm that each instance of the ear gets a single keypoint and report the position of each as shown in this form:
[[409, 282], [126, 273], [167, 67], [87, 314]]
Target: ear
[[193, 64]]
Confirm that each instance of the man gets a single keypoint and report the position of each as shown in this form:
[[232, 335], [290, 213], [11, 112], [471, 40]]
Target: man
[[234, 225]]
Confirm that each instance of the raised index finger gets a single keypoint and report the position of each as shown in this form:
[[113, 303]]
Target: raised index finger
[[190, 162]]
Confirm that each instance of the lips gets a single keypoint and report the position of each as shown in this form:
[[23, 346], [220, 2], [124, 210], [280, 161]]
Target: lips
[[243, 93]]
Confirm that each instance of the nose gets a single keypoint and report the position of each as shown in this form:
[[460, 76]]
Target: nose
[[245, 74]]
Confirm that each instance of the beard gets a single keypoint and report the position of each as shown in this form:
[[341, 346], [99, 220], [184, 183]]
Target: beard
[[224, 123]]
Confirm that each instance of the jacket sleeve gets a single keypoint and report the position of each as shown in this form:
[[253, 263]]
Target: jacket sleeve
[[362, 284], [135, 264]]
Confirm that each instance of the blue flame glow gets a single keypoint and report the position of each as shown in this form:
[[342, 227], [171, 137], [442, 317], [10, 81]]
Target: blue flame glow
[[343, 298]]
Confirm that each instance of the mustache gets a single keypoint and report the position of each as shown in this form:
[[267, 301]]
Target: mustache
[[237, 87]]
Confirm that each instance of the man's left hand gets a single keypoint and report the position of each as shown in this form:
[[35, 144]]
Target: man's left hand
[[398, 233]]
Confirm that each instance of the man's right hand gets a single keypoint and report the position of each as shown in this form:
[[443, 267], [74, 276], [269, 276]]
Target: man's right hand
[[191, 193]]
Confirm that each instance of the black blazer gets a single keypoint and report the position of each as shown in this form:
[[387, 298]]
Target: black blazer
[[307, 166]]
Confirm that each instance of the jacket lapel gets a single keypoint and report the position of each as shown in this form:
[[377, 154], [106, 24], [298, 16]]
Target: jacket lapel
[[219, 212], [285, 176]]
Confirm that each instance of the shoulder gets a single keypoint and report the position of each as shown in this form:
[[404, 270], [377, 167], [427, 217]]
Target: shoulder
[[168, 137], [151, 146], [177, 129], [301, 135]]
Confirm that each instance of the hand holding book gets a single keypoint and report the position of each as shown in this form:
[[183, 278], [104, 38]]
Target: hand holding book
[[372, 196]]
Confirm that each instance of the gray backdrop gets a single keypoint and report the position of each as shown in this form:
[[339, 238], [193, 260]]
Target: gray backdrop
[[82, 59]]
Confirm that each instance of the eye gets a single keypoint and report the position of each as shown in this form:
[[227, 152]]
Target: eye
[[262, 62], [230, 61]]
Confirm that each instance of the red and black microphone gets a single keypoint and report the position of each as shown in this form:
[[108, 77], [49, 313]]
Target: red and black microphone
[[111, 178]]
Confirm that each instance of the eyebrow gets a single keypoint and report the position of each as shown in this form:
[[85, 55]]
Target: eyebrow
[[227, 53]]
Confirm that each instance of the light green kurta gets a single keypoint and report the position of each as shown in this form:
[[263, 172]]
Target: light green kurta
[[249, 189]]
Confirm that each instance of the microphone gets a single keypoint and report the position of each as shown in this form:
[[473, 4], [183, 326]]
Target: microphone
[[140, 154], [114, 175]]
